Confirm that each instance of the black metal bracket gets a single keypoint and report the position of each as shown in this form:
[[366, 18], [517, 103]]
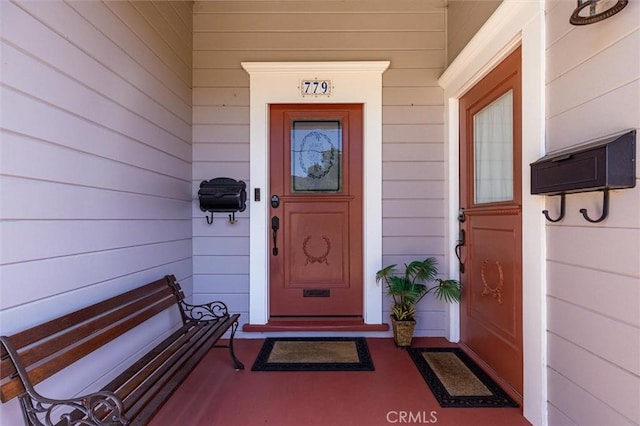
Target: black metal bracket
[[232, 218], [562, 210], [605, 209]]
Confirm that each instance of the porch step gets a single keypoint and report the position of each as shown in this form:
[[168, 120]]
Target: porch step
[[314, 325]]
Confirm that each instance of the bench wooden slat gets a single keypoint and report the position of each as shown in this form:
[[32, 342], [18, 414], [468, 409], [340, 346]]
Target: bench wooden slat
[[134, 376], [78, 330], [178, 375], [56, 325], [147, 384], [14, 387], [158, 377]]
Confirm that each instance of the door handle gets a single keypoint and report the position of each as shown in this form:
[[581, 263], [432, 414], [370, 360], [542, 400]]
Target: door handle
[[457, 250], [275, 225]]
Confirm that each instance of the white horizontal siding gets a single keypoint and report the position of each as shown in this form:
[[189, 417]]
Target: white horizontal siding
[[95, 172], [408, 60], [64, 128], [593, 270], [408, 33]]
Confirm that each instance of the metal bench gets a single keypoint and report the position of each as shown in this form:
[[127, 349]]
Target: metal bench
[[35, 354]]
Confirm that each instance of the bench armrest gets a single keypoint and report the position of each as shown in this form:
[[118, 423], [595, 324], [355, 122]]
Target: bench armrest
[[212, 311], [40, 410], [98, 408]]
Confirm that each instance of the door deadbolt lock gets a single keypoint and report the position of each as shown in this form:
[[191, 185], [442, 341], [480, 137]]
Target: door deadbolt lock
[[275, 201]]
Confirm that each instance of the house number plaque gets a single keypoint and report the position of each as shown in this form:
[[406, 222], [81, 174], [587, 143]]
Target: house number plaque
[[315, 87]]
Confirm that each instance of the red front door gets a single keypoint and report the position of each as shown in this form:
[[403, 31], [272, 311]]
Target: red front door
[[491, 220], [316, 211]]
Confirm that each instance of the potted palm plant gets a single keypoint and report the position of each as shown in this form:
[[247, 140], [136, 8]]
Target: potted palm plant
[[408, 287]]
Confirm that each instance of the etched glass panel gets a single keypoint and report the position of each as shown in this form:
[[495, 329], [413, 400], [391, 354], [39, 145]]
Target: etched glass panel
[[493, 151], [316, 156]]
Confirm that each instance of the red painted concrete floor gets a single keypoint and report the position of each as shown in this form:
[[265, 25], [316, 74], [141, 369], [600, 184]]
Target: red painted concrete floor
[[393, 394]]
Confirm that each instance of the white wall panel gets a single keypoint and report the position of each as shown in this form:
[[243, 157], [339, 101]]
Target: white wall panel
[[410, 61], [220, 227], [413, 189], [407, 152], [229, 264], [64, 274], [205, 170], [593, 270], [230, 283], [419, 246], [412, 114], [24, 199], [579, 406], [410, 227], [408, 170], [95, 173], [222, 246], [225, 133], [25, 74], [180, 19], [19, 317], [407, 208], [618, 110], [366, 21], [238, 152], [64, 128], [571, 89], [579, 246], [90, 170], [220, 115], [138, 23], [406, 133], [95, 73], [176, 89], [604, 337], [108, 235], [611, 294], [319, 40], [596, 375]]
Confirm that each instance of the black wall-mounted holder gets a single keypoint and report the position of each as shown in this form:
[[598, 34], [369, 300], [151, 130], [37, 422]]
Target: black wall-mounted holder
[[598, 166], [222, 195]]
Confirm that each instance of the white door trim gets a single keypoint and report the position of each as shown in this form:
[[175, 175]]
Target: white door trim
[[514, 23], [279, 82]]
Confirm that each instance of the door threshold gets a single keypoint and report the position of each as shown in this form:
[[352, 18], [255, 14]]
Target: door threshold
[[307, 324]]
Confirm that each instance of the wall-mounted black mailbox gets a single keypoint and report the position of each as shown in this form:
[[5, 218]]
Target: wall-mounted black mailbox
[[606, 164], [222, 195], [598, 166]]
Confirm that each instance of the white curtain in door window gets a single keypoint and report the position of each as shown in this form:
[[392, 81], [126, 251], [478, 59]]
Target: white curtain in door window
[[493, 151]]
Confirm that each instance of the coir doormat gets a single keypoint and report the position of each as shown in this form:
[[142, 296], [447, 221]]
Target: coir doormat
[[314, 354], [457, 381]]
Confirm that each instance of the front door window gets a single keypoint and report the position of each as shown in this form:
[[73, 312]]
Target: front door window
[[316, 156], [493, 151]]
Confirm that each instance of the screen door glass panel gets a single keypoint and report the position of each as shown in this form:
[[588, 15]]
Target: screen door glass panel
[[493, 151], [316, 156]]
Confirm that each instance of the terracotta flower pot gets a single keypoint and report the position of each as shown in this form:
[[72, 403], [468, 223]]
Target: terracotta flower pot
[[403, 332]]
